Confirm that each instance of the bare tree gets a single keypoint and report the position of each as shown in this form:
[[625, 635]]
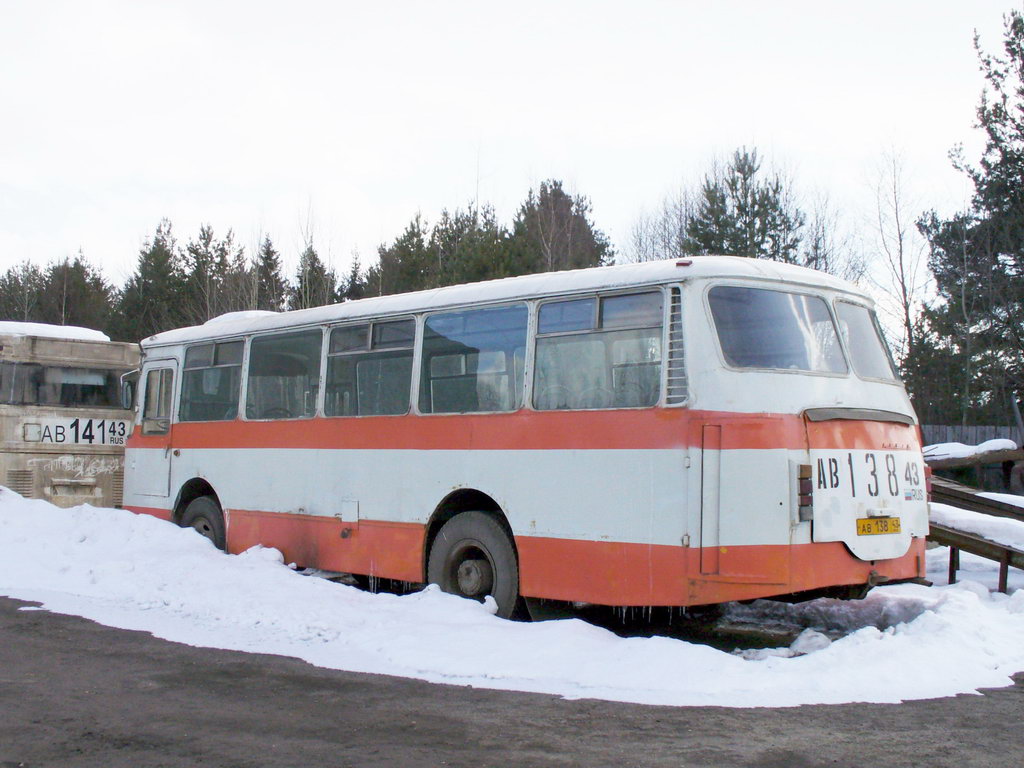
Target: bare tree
[[900, 250], [662, 234], [828, 246]]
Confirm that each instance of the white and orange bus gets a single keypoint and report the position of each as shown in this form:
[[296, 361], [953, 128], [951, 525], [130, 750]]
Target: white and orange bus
[[673, 433]]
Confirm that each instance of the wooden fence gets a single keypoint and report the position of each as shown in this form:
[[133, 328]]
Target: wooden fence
[[973, 435]]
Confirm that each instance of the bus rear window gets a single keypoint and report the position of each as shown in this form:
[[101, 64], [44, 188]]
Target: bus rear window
[[760, 328], [34, 384], [863, 339]]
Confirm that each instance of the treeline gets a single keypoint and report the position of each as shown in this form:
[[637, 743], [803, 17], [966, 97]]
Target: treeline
[[174, 286]]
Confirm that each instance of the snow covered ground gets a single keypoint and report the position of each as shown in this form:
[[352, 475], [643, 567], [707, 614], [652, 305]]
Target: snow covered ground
[[136, 572]]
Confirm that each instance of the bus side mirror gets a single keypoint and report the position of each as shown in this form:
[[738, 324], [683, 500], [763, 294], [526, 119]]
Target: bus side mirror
[[127, 394], [128, 382]]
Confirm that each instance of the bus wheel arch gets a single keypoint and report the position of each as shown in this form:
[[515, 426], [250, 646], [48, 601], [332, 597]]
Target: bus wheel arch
[[470, 550], [198, 507]]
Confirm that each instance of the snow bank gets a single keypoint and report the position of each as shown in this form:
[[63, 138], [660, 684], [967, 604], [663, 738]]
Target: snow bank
[[136, 572], [69, 332], [941, 451]]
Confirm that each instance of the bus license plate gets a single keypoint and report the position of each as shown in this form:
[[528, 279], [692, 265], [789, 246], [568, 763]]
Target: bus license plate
[[77, 431], [872, 526]]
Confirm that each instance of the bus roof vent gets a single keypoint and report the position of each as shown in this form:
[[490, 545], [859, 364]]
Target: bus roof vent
[[676, 392]]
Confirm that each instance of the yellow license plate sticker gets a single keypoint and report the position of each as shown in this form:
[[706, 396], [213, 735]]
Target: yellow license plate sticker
[[872, 526]]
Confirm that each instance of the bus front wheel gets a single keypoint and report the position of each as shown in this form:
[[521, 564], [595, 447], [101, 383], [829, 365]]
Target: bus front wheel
[[203, 515], [472, 556]]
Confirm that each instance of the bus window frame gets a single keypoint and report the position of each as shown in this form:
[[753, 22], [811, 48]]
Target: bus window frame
[[799, 289], [179, 386], [599, 296], [370, 321], [243, 396], [417, 372]]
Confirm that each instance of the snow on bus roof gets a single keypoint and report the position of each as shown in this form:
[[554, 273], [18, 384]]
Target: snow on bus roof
[[507, 289], [44, 330]]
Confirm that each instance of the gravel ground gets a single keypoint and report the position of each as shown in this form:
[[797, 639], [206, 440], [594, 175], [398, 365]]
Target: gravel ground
[[74, 693]]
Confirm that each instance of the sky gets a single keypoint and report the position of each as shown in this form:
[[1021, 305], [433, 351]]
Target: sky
[[900, 642], [343, 120]]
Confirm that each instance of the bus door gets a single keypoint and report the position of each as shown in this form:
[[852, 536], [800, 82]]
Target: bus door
[[151, 460]]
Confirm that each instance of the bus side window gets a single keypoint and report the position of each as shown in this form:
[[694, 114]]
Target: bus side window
[[284, 376], [599, 353], [210, 381], [369, 369], [472, 361], [156, 411]]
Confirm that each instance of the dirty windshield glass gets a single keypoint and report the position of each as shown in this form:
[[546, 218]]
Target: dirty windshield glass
[[867, 349], [760, 328], [33, 384]]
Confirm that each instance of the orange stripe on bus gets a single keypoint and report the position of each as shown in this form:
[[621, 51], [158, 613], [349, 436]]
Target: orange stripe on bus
[[370, 547], [660, 428], [600, 572], [163, 514], [610, 573]]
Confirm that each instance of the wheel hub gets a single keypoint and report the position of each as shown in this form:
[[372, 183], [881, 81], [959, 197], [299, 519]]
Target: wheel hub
[[203, 527], [475, 578]]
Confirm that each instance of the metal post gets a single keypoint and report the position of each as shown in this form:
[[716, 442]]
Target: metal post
[[1004, 567], [954, 564]]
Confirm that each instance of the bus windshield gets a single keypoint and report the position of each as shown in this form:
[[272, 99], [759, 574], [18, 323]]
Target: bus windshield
[[760, 328], [863, 338], [35, 384]]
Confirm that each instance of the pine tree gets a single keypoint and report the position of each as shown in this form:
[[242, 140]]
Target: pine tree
[[238, 284], [977, 256], [553, 231], [315, 284], [405, 265], [355, 286], [208, 264], [152, 298], [74, 293], [744, 209], [468, 246], [20, 288], [742, 213], [271, 286]]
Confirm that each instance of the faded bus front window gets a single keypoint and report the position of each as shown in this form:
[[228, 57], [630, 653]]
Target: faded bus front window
[[34, 384], [761, 328]]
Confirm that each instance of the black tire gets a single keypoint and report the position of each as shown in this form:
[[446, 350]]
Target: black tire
[[472, 556], [203, 515]]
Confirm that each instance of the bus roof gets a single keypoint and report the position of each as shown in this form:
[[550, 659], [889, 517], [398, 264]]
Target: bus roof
[[46, 331], [508, 289]]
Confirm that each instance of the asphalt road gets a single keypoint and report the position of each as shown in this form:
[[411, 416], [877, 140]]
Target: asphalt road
[[74, 693]]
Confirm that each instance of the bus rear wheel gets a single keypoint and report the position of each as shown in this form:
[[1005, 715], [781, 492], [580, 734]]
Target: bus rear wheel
[[203, 514], [472, 556]]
